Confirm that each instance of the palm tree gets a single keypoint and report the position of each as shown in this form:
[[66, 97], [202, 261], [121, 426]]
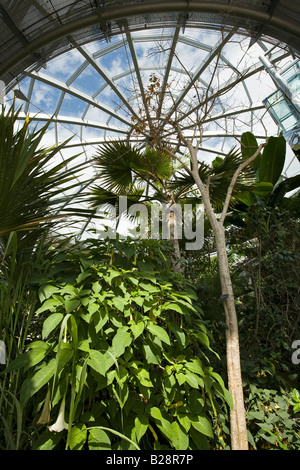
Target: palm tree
[[32, 186], [153, 175], [144, 177], [33, 203]]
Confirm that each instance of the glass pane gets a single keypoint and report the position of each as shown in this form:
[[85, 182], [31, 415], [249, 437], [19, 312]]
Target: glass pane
[[290, 122], [281, 110]]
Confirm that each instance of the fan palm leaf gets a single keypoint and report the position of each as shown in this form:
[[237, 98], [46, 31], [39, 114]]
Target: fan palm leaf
[[104, 199], [115, 162], [121, 165]]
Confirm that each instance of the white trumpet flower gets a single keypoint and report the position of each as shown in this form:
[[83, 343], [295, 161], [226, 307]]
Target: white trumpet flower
[[60, 423]]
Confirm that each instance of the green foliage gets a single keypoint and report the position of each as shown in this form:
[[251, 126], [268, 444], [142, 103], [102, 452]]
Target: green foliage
[[249, 146], [269, 274], [272, 160], [31, 189], [219, 176], [144, 177], [267, 286], [31, 203], [267, 169], [271, 420], [124, 169], [295, 401], [263, 250], [108, 347], [128, 351]]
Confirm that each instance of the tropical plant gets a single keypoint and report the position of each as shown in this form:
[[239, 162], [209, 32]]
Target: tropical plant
[[18, 325], [269, 184], [122, 359], [144, 177], [31, 181], [32, 203]]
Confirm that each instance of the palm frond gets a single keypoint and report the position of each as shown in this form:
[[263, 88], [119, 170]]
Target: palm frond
[[115, 162], [106, 200], [121, 165], [28, 188], [155, 164], [228, 164]]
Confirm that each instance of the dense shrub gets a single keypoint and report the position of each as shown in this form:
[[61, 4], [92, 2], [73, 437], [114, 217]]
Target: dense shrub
[[122, 356]]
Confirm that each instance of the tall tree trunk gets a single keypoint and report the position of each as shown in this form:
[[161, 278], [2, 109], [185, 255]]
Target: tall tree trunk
[[238, 430]]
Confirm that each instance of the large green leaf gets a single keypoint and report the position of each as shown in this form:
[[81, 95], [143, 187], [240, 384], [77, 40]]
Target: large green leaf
[[203, 425], [137, 329], [140, 426], [35, 382], [29, 358], [50, 304], [51, 323], [78, 435], [272, 161], [159, 332], [47, 441], [98, 439], [180, 438], [162, 422], [121, 340], [151, 351], [97, 361], [284, 187], [249, 146]]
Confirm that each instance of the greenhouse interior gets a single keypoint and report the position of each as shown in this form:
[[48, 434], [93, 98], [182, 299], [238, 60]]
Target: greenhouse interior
[[149, 225]]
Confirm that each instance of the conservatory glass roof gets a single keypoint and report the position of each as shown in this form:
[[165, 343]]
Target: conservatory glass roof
[[135, 75]]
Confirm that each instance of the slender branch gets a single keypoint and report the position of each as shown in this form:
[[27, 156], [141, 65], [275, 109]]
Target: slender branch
[[234, 179], [192, 149], [173, 155]]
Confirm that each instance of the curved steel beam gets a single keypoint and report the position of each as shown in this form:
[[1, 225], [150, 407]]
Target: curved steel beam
[[42, 117], [228, 10], [206, 135], [78, 94]]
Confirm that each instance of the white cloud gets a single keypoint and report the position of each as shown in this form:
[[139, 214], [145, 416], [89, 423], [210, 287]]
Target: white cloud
[[44, 96], [65, 64]]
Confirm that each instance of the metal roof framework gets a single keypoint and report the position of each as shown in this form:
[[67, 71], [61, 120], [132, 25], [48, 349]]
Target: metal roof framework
[[126, 107], [33, 31], [36, 33]]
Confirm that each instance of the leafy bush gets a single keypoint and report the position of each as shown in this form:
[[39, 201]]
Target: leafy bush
[[272, 423], [264, 255], [121, 359]]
